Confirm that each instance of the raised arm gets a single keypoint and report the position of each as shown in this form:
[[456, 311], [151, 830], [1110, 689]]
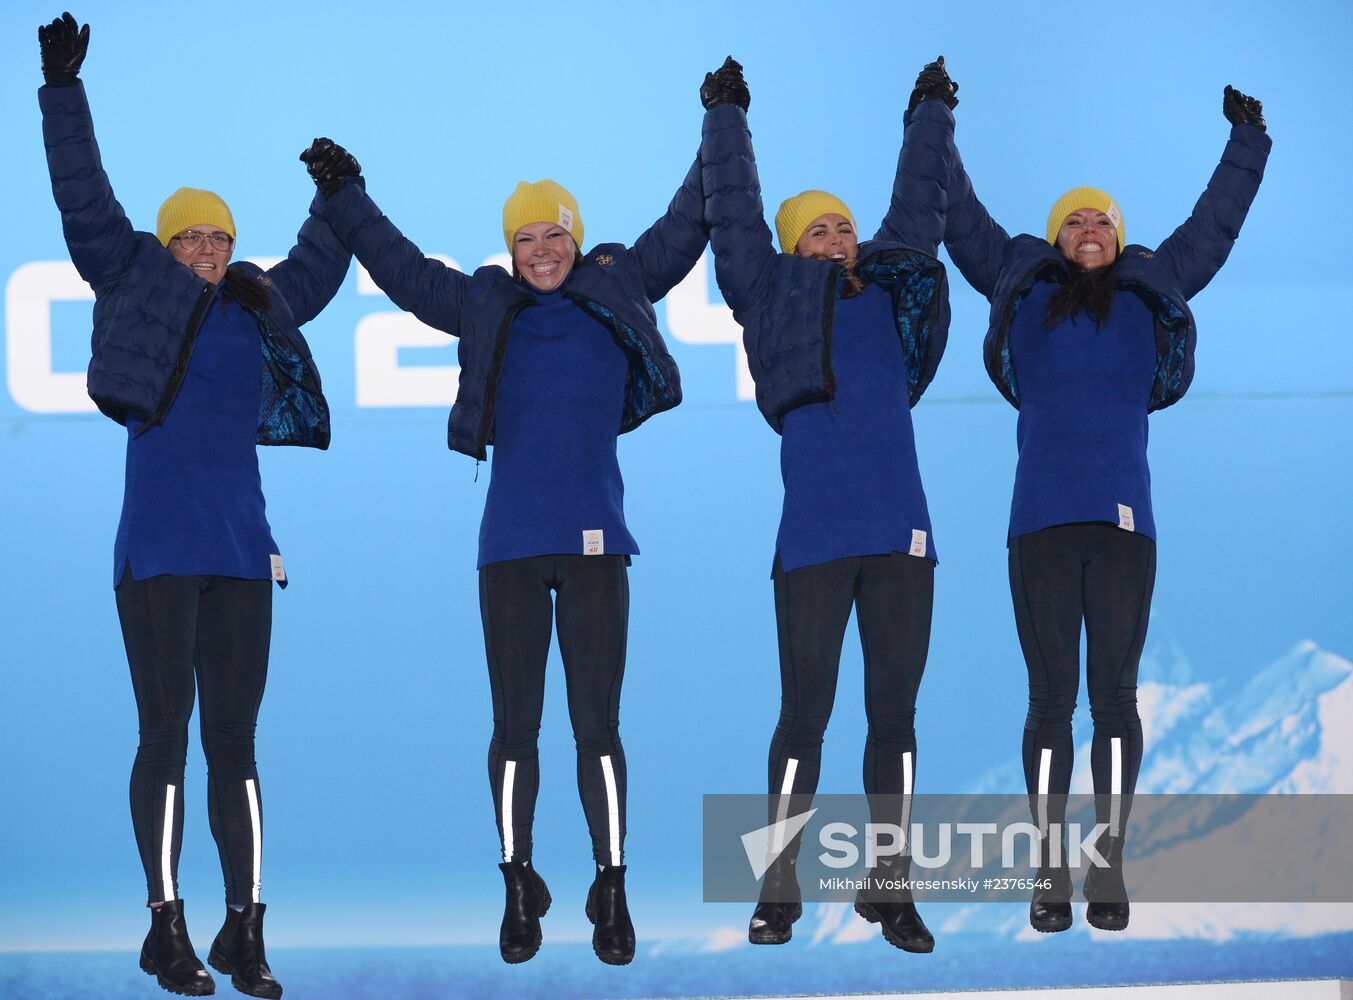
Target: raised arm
[[916, 212], [743, 252], [416, 283], [975, 240], [667, 250], [314, 269], [316, 266], [100, 239], [1198, 248]]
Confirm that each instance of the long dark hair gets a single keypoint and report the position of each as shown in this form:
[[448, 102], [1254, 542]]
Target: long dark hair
[[851, 283], [1088, 291], [248, 291]]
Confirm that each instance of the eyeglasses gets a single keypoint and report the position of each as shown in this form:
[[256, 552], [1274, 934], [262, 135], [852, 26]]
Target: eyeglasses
[[191, 239]]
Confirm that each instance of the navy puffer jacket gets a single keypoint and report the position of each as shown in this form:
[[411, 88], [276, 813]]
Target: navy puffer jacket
[[785, 302], [148, 306], [1001, 267], [614, 283]]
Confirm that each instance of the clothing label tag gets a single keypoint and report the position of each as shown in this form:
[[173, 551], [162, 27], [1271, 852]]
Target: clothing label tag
[[1125, 517], [593, 543], [917, 542], [279, 572], [565, 218]]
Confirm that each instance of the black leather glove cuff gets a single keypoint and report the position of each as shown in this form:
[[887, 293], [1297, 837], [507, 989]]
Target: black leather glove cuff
[[943, 92], [55, 79]]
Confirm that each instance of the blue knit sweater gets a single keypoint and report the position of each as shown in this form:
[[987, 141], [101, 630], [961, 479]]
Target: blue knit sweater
[[852, 484], [556, 485], [1082, 420], [193, 503]]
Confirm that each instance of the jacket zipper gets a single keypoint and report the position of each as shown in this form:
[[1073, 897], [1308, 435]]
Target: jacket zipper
[[171, 390], [495, 369]]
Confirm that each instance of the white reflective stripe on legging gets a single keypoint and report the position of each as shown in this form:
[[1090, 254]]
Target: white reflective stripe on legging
[[1044, 779], [782, 808], [505, 807], [167, 846], [612, 809], [1044, 782], [256, 829], [1115, 783], [906, 803]]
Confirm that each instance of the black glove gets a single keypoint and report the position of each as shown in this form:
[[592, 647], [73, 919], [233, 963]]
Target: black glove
[[329, 165], [933, 83], [725, 86], [1241, 109], [63, 44]]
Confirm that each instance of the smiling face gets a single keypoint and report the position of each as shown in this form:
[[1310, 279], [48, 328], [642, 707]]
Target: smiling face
[[829, 237], [543, 253], [205, 259], [1088, 238]]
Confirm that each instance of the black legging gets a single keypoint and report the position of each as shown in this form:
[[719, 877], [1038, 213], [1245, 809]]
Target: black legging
[[214, 630], [593, 619], [1060, 576], [893, 596]]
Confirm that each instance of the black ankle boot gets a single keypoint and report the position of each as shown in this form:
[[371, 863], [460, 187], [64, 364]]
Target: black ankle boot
[[168, 955], [781, 904], [238, 953], [1050, 907], [613, 935], [1104, 888], [888, 902], [528, 899]]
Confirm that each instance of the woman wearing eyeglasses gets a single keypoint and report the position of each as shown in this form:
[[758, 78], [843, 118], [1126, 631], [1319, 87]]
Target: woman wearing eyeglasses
[[201, 360]]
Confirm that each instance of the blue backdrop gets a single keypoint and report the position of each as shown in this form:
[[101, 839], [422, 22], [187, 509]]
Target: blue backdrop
[[379, 829]]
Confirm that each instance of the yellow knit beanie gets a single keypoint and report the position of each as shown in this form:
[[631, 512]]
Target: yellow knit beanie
[[797, 214], [543, 201], [188, 207], [1084, 197]]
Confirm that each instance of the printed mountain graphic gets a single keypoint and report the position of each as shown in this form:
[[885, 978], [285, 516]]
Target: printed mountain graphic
[[1286, 728]]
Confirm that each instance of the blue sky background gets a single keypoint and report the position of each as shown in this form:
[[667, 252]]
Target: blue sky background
[[372, 736]]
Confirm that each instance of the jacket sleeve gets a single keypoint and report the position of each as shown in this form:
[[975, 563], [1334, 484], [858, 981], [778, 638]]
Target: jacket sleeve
[[920, 188], [314, 269], [418, 284], [744, 256], [100, 239], [669, 248], [1198, 248], [975, 241]]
